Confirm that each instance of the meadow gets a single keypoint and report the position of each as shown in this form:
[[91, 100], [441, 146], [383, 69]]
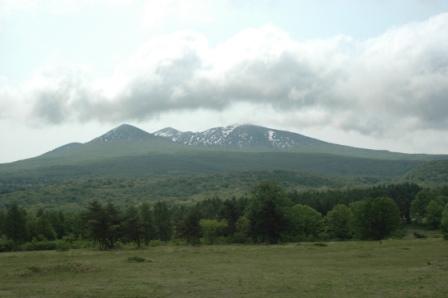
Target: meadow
[[388, 268]]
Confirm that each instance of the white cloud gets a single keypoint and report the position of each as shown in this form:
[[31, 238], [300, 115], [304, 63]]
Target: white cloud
[[382, 86]]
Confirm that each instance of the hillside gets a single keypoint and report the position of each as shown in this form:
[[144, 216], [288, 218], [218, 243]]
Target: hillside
[[173, 164]]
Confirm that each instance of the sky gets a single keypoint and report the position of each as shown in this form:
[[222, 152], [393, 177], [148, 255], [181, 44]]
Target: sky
[[370, 73]]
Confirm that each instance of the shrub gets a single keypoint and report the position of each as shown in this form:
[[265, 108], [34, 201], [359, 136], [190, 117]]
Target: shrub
[[6, 245], [136, 259], [39, 245], [155, 243]]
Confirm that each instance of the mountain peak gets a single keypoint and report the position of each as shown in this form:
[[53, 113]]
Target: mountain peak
[[123, 132]]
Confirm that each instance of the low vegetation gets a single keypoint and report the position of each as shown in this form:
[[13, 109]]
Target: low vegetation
[[391, 268], [268, 215]]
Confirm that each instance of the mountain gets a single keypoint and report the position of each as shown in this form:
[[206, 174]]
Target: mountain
[[261, 139], [127, 163], [129, 151]]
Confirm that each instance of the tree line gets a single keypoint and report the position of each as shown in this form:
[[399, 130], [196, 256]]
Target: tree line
[[268, 215]]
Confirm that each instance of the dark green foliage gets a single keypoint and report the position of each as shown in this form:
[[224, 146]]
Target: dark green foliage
[[133, 227], [2, 222], [340, 222], [375, 218], [103, 224], [444, 222], [212, 229], [304, 223], [15, 226], [147, 223], [190, 229], [7, 245], [418, 206], [162, 221], [433, 213], [266, 214], [231, 212], [136, 259], [243, 230]]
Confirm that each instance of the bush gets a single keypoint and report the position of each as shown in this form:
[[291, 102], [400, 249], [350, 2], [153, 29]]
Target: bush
[[136, 259], [6, 245], [155, 243], [39, 245], [63, 246]]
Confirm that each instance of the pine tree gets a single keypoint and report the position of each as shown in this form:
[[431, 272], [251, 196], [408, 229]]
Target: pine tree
[[162, 221], [15, 225], [147, 223], [133, 226]]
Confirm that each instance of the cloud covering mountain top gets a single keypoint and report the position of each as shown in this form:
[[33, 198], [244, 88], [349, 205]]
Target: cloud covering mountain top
[[398, 80]]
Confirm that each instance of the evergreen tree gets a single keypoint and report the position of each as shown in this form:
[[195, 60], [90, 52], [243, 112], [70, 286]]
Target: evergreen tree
[[133, 229], [162, 221], [113, 219], [190, 230], [147, 223], [444, 222], [266, 214], [230, 212], [15, 225], [2, 222]]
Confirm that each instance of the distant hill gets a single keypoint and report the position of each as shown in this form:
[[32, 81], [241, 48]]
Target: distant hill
[[131, 152], [433, 172], [129, 163]]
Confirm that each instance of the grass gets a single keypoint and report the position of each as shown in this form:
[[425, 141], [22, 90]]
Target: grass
[[392, 268]]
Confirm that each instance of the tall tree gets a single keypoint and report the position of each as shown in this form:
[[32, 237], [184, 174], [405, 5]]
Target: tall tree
[[304, 223], [15, 225], [133, 226], [147, 223], [162, 221], [433, 214], [266, 213], [230, 212], [376, 218], [190, 230], [340, 221], [444, 222]]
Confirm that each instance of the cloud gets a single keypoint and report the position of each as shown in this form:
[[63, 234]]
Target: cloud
[[395, 81]]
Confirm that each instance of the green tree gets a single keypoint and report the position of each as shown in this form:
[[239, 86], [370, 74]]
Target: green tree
[[433, 214], [212, 229], [266, 213], [103, 224], [15, 226], [444, 222], [2, 222], [242, 231], [162, 221], [304, 223], [190, 229], [340, 222], [147, 222], [132, 227], [376, 218], [114, 221], [231, 213], [419, 205], [44, 229]]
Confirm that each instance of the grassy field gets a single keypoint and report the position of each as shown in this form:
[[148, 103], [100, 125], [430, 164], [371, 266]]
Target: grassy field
[[393, 268]]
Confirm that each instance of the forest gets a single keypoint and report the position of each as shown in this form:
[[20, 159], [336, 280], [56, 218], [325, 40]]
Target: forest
[[269, 214]]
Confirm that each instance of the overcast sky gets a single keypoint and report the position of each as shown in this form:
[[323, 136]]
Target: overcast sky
[[371, 73]]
